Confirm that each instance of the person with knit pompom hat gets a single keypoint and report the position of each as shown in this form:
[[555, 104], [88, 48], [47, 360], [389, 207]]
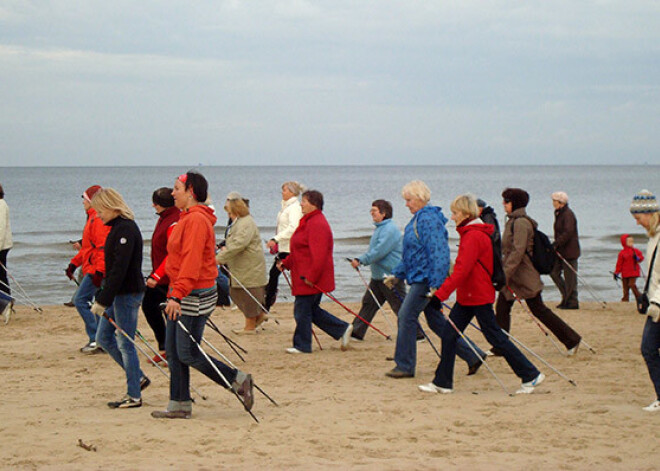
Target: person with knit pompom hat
[[646, 211], [92, 259]]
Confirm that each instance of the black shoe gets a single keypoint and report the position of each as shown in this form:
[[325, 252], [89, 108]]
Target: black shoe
[[355, 337], [69, 304], [125, 402], [474, 368], [144, 383], [397, 373], [570, 306], [560, 305], [496, 352]]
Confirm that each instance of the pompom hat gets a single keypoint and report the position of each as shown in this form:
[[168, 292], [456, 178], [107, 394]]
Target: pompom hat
[[644, 202]]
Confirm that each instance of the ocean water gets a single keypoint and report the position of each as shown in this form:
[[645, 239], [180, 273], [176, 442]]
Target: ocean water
[[46, 210]]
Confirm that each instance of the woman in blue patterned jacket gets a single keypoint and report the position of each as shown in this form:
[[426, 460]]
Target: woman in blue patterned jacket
[[424, 265]]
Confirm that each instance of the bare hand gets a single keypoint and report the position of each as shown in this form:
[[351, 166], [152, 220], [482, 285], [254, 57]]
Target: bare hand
[[77, 246], [173, 310], [151, 283], [355, 263], [271, 243]]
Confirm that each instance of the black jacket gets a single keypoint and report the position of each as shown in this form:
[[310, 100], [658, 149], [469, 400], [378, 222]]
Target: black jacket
[[123, 261], [489, 217]]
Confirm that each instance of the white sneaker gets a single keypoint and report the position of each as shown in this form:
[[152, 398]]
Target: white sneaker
[[528, 387], [346, 338], [293, 350], [432, 388], [653, 407]]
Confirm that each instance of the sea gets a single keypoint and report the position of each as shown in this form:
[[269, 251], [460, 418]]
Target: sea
[[46, 212]]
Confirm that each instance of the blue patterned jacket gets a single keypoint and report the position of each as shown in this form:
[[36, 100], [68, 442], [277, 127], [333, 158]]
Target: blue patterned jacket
[[425, 248]]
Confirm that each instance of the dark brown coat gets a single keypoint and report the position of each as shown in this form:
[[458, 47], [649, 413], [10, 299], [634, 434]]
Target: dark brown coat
[[517, 242], [566, 233]]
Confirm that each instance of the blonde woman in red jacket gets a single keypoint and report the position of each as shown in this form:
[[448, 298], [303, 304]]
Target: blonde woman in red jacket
[[92, 259], [312, 274], [192, 297], [475, 295]]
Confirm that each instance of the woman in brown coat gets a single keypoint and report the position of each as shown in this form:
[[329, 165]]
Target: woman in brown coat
[[522, 278]]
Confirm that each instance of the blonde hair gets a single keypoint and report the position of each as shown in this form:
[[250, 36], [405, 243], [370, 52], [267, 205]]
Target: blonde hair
[[654, 224], [466, 204], [237, 207], [109, 198], [294, 187], [417, 189]]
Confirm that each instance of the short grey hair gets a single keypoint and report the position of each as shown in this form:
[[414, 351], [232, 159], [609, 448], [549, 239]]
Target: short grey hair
[[417, 189]]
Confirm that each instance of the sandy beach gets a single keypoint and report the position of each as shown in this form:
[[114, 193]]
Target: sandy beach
[[335, 408]]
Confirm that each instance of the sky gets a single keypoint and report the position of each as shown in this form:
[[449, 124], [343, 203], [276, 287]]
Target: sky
[[296, 82]]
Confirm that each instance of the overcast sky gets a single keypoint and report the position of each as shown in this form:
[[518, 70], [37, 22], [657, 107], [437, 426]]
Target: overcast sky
[[287, 82]]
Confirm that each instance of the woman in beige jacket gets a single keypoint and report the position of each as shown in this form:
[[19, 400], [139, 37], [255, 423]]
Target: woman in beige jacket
[[244, 257]]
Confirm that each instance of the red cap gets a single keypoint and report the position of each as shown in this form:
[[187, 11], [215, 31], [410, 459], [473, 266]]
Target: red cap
[[90, 192]]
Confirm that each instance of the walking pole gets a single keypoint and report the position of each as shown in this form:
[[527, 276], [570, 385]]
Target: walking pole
[[533, 353], [18, 295], [20, 288], [536, 321], [250, 294], [215, 368], [373, 295], [224, 357], [586, 285], [474, 350], [286, 277], [230, 342], [419, 326], [141, 337], [388, 337]]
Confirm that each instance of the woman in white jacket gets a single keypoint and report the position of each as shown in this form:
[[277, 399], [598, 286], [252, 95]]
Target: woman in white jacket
[[287, 223], [5, 242], [646, 211]]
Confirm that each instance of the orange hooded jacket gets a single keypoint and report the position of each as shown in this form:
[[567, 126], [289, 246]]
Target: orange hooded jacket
[[91, 255], [191, 252]]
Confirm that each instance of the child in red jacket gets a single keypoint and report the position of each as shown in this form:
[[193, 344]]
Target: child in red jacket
[[627, 265]]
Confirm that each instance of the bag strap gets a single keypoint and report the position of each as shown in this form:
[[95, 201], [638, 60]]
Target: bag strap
[[650, 274]]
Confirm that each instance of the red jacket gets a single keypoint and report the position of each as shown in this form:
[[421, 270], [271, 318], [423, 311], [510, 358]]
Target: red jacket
[[311, 255], [164, 227], [191, 252], [473, 266], [627, 264], [91, 255]]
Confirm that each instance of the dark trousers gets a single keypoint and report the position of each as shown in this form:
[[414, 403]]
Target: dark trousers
[[370, 307], [151, 308], [182, 353], [273, 280], [566, 284], [461, 316], [650, 346], [629, 284], [307, 311], [4, 282], [552, 321]]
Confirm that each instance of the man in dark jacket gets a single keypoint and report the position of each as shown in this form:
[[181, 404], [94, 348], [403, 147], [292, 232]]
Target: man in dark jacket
[[567, 246]]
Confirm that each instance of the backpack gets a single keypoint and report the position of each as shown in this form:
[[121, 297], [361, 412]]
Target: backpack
[[543, 254], [497, 277]]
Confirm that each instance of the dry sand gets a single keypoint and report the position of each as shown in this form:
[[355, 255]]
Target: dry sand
[[336, 408]]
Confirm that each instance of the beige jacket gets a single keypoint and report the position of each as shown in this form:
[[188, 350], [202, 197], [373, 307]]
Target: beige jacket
[[244, 254], [517, 242], [5, 227]]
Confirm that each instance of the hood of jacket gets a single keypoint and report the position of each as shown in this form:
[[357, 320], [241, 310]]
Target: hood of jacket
[[476, 225], [624, 239], [204, 210], [522, 213], [435, 210]]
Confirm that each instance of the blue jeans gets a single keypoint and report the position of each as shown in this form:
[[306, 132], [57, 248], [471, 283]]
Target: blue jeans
[[83, 301], [650, 345], [307, 311], [124, 311], [461, 316], [415, 301], [182, 353]]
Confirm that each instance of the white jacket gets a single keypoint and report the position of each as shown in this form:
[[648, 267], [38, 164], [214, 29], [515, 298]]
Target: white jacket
[[654, 284], [5, 227], [287, 222]]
